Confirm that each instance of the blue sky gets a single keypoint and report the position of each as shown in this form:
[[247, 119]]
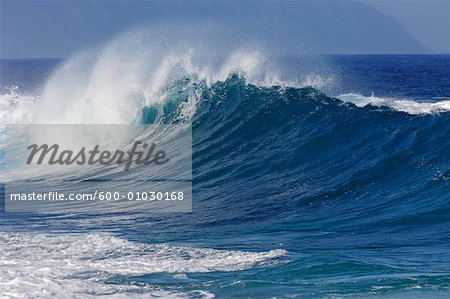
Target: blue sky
[[31, 29]]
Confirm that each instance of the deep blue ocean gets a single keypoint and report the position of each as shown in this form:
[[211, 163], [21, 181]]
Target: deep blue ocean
[[334, 184]]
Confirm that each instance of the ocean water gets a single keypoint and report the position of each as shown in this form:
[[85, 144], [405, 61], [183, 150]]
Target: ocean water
[[328, 179]]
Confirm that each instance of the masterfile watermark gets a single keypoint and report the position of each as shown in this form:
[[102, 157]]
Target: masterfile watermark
[[111, 168], [95, 156]]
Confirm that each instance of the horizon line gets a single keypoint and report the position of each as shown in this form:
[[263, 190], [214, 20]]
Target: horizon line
[[285, 55]]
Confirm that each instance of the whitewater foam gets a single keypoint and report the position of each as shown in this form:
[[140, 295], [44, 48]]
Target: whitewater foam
[[71, 266], [404, 105]]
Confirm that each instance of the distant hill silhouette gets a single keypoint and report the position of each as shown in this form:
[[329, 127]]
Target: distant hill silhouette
[[45, 29]]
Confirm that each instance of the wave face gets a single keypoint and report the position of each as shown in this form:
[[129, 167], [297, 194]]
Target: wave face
[[305, 194], [299, 148], [346, 190]]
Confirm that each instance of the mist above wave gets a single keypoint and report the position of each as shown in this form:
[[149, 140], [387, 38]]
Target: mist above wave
[[111, 84]]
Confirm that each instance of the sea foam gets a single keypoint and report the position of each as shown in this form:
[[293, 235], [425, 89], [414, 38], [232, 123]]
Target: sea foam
[[72, 266]]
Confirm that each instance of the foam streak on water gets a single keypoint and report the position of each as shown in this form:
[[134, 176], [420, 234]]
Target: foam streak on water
[[404, 105]]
